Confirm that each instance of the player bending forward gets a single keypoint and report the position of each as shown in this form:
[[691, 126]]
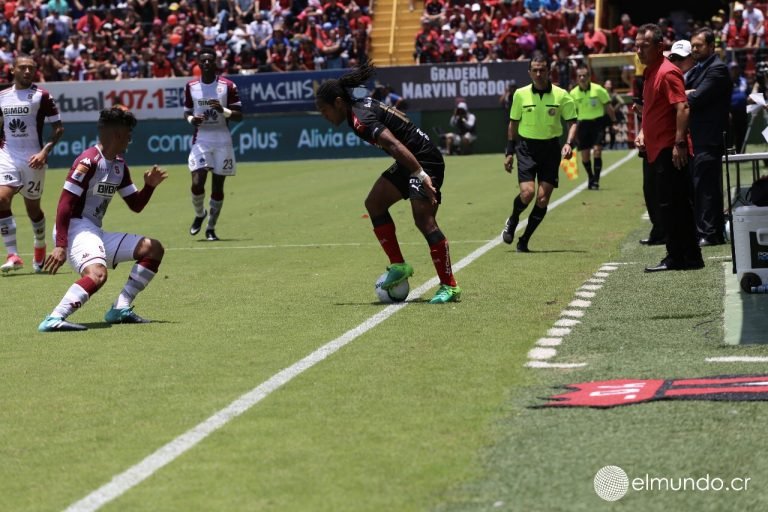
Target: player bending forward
[[94, 178], [417, 174]]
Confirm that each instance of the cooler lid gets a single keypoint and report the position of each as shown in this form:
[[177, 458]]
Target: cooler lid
[[751, 211]]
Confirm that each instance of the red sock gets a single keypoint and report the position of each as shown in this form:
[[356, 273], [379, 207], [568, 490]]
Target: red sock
[[388, 240], [442, 259]]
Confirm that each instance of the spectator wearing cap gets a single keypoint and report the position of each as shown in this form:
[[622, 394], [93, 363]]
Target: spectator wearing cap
[[708, 87], [680, 56], [736, 33], [462, 139]]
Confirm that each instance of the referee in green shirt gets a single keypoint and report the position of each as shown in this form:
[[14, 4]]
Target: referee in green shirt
[[593, 103], [535, 126]]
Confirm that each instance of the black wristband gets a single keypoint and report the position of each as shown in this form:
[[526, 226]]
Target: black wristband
[[511, 147]]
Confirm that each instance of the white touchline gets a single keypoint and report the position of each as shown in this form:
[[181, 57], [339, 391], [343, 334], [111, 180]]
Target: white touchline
[[544, 364], [166, 454], [737, 359]]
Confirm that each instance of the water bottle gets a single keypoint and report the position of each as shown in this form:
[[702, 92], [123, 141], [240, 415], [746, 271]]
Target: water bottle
[[763, 288]]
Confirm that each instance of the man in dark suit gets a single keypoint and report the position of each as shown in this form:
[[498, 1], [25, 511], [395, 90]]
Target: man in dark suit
[[708, 87]]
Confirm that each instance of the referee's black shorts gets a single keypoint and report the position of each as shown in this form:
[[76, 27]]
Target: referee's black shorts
[[538, 159], [590, 132]]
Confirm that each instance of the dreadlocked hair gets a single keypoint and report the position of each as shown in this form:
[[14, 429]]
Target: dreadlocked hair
[[339, 88]]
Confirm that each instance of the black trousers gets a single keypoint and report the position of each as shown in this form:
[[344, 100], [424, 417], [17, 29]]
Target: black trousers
[[673, 189], [707, 179], [652, 201]]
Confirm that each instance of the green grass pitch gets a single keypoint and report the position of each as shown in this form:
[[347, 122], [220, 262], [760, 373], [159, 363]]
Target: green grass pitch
[[429, 410]]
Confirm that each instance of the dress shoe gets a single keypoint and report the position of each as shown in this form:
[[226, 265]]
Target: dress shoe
[[663, 266], [653, 241], [668, 264], [706, 242]]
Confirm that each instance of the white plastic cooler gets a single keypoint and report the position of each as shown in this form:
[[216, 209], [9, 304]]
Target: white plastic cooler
[[750, 240]]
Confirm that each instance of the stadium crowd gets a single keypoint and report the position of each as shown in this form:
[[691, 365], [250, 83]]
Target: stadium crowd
[[120, 39]]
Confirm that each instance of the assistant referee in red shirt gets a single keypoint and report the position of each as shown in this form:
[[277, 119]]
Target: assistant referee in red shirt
[[664, 137]]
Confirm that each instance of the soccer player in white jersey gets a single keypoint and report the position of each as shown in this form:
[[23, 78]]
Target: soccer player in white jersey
[[23, 158], [95, 176], [209, 104]]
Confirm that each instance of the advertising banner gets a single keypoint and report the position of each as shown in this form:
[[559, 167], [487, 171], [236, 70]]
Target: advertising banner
[[255, 139], [437, 87], [428, 87]]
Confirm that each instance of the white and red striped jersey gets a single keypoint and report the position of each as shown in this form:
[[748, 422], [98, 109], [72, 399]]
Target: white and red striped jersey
[[94, 180], [24, 111], [214, 129]]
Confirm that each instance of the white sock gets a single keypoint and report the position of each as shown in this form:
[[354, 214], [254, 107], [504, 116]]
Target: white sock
[[197, 204], [215, 210], [74, 299], [39, 230], [138, 279], [8, 230]]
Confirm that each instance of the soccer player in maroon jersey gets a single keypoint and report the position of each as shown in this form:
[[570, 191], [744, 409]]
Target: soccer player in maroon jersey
[[23, 158], [96, 175], [417, 174]]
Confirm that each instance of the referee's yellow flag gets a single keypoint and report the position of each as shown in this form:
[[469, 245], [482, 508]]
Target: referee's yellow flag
[[570, 167]]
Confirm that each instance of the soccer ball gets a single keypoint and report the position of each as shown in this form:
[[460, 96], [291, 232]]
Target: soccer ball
[[395, 294]]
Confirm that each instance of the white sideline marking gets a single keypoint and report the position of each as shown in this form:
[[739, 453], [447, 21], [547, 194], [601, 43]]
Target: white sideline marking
[[586, 295], [544, 364], [549, 342], [558, 331], [595, 280], [219, 247], [602, 274], [578, 303], [737, 359], [567, 322], [577, 313], [166, 454], [608, 268], [591, 287], [541, 353]]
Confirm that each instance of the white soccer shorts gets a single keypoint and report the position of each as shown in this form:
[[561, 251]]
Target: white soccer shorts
[[16, 173], [89, 245], [221, 159]]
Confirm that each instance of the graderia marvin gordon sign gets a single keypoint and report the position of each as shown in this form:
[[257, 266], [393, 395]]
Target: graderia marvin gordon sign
[[436, 87]]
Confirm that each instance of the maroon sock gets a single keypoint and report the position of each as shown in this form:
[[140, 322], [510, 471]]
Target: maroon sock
[[388, 240], [442, 259]]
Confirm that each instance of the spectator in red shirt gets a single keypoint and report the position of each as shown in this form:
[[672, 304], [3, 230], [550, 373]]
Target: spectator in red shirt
[[664, 138], [90, 23], [623, 30], [594, 40], [162, 67]]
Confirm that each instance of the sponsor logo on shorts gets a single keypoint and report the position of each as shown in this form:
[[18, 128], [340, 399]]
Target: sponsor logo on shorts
[[7, 177]]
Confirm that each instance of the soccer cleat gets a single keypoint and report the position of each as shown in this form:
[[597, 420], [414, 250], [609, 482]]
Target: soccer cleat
[[55, 324], [445, 294], [210, 235], [13, 262], [522, 245], [123, 316], [197, 224], [509, 230], [396, 274], [39, 260]]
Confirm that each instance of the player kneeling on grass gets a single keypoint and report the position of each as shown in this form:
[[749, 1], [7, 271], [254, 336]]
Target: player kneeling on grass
[[417, 174], [91, 183]]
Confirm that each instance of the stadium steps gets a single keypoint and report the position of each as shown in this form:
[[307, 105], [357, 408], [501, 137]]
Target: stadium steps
[[407, 25]]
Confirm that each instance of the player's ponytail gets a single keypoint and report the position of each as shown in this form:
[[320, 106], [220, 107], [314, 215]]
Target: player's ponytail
[[339, 88]]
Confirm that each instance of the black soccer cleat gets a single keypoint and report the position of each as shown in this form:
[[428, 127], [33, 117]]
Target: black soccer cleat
[[522, 245], [508, 235], [210, 235], [197, 224]]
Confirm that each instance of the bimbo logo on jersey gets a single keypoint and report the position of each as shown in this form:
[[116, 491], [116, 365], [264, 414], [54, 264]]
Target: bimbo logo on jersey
[[105, 189], [16, 110]]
